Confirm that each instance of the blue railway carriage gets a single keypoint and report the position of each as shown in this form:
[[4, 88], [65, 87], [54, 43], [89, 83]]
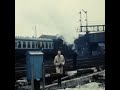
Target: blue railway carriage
[[25, 44]]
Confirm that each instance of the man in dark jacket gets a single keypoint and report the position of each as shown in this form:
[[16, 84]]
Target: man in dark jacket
[[74, 59]]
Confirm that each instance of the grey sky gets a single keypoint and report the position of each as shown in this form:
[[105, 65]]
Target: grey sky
[[56, 16]]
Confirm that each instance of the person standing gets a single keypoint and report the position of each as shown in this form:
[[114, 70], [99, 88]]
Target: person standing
[[74, 59], [59, 62]]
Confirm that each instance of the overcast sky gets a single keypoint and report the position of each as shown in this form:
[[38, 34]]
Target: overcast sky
[[56, 16]]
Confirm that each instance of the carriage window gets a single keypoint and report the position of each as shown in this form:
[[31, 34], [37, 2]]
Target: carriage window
[[38, 45], [24, 44], [28, 44], [33, 45], [19, 44], [46, 45], [49, 45], [52, 45], [42, 45]]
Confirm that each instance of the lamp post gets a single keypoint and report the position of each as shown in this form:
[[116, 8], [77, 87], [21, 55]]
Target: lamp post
[[86, 21], [87, 32], [80, 21]]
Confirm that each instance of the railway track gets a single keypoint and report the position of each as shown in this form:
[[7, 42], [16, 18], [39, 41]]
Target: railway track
[[20, 69], [71, 81]]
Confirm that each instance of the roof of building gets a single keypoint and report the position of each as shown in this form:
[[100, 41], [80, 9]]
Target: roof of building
[[35, 53], [48, 36], [32, 38]]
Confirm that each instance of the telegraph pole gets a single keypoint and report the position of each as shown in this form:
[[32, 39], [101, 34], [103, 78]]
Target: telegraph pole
[[80, 21], [87, 32], [86, 21]]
